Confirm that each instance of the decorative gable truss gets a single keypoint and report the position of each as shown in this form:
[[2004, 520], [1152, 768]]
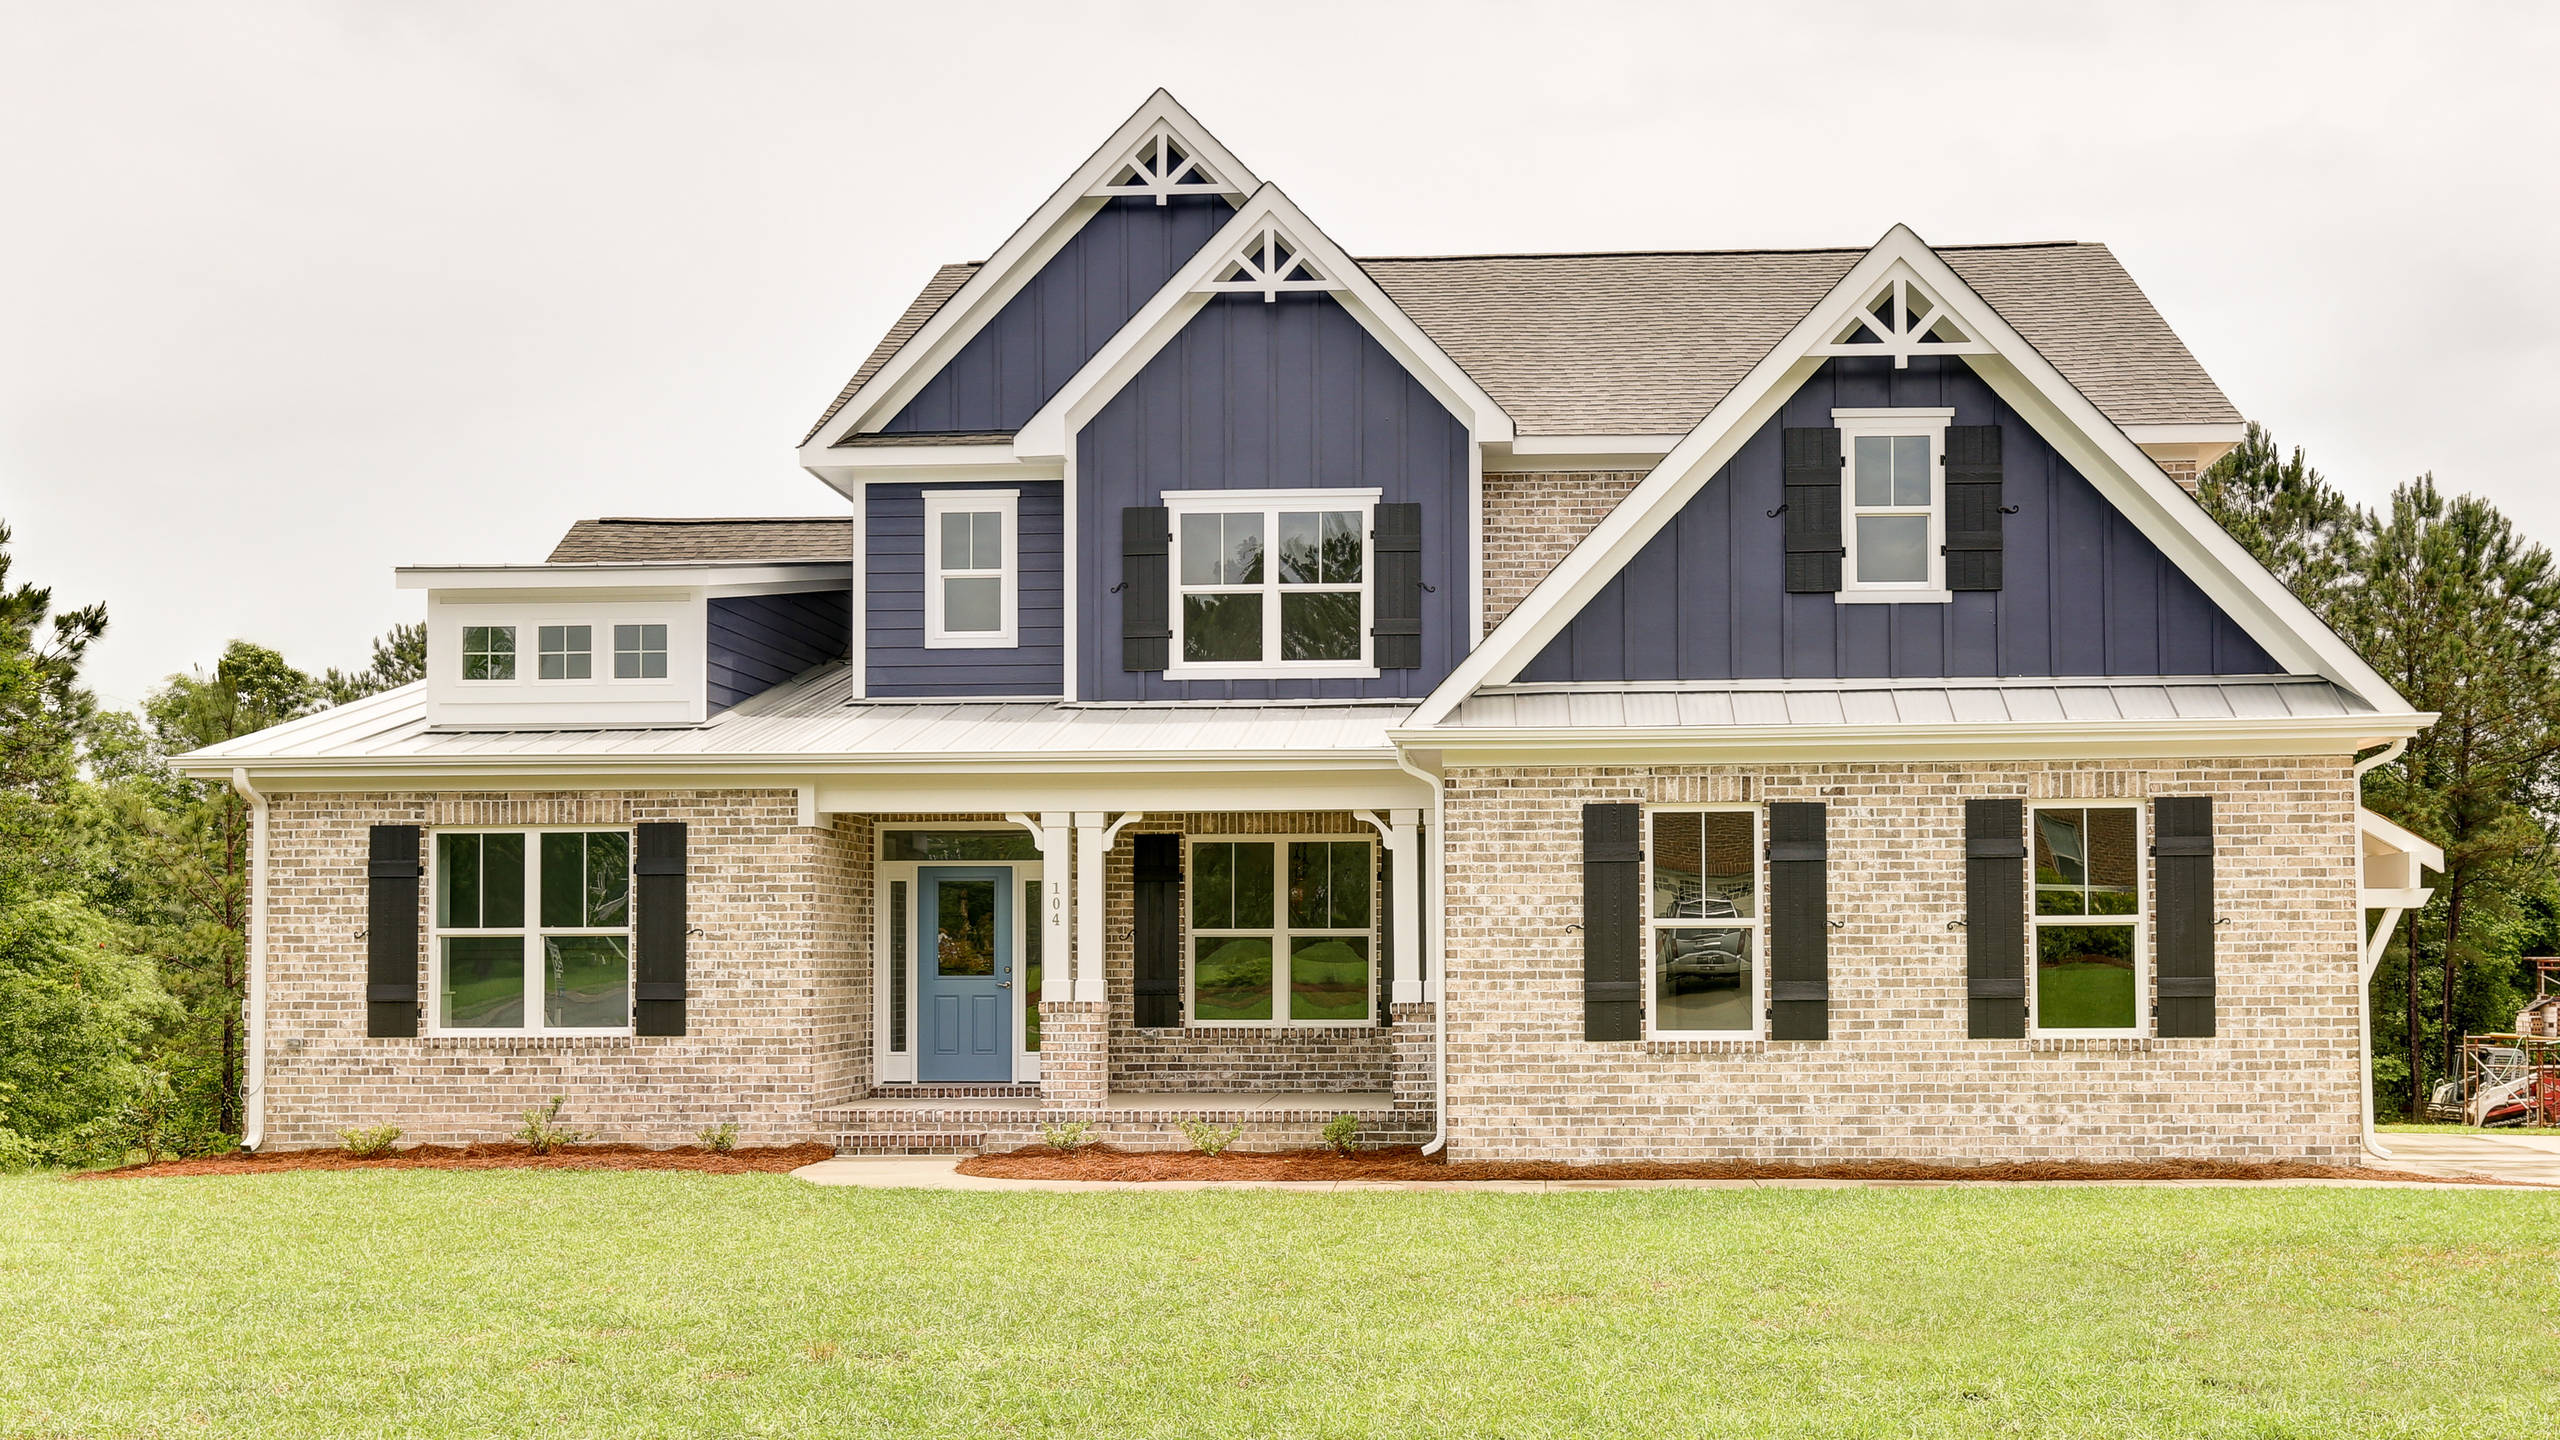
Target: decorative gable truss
[[1269, 264], [1901, 318], [1161, 166]]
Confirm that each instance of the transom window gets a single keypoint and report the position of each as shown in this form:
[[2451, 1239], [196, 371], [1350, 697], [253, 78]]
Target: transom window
[[971, 579], [532, 930], [639, 652], [567, 652], [1268, 584], [1282, 931], [1702, 916], [1893, 495], [2088, 919], [488, 652]]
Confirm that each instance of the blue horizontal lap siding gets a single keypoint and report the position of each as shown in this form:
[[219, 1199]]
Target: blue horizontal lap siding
[[2084, 592], [1086, 292], [1285, 395], [895, 662], [759, 641]]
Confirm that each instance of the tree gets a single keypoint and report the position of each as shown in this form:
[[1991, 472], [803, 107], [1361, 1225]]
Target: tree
[[399, 658], [2298, 525]]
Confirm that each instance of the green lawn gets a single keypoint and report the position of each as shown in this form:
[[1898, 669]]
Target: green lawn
[[640, 1304]]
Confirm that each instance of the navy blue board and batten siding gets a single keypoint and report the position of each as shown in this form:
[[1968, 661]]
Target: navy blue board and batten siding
[[1289, 394], [758, 641], [896, 663], [2083, 591], [1055, 323]]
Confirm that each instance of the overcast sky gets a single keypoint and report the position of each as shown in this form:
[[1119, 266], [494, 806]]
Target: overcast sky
[[293, 293]]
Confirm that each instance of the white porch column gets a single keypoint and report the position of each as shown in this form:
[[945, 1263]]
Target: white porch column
[[1049, 832], [1088, 905], [1404, 843]]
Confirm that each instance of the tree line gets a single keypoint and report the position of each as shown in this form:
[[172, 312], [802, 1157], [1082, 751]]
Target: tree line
[[124, 885]]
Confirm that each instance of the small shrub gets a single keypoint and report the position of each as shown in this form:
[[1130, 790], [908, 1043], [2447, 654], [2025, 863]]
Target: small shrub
[[1209, 1139], [17, 1152], [1072, 1135], [542, 1131], [719, 1139], [1342, 1134], [370, 1144]]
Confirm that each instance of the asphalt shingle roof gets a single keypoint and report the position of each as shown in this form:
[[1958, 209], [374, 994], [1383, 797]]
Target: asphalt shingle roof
[[635, 538], [1647, 343]]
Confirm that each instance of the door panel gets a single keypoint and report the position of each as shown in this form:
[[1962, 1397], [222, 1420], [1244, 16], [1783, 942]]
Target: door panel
[[965, 972]]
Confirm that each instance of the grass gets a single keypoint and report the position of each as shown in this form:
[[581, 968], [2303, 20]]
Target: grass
[[568, 1303]]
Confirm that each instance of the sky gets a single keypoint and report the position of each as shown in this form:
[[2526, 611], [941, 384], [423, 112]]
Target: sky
[[294, 293]]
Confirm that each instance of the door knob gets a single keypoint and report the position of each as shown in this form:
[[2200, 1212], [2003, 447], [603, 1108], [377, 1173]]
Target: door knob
[[1004, 984]]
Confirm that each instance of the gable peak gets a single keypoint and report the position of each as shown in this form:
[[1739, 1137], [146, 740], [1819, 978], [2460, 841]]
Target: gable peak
[[1161, 165], [1901, 317], [1269, 262]]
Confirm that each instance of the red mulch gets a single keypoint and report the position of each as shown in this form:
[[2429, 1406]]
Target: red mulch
[[1407, 1162], [745, 1160]]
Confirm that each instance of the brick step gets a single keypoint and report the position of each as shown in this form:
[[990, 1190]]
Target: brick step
[[1026, 1091], [911, 1142]]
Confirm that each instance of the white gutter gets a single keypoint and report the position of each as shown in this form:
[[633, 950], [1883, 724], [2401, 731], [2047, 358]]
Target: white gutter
[[1435, 952], [253, 1087], [798, 766], [2007, 739]]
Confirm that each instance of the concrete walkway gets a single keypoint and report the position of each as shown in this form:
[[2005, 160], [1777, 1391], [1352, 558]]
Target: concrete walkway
[[941, 1173], [2533, 1159]]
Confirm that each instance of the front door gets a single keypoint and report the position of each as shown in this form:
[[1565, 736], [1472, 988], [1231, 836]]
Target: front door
[[965, 973]]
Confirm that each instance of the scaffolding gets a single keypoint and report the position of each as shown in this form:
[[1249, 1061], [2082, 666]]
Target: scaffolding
[[2510, 1079]]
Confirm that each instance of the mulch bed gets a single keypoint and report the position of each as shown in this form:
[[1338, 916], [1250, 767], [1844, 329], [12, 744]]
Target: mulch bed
[[745, 1160], [1407, 1162]]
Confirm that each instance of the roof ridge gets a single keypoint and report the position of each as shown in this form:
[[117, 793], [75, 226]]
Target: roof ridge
[[1761, 250]]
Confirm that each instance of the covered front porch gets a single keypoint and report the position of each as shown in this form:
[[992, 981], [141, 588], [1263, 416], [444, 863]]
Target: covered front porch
[[1197, 955]]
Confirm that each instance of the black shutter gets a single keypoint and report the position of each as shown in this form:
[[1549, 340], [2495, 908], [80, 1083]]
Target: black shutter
[[1386, 936], [1156, 895], [658, 874], [1396, 633], [391, 932], [1612, 923], [1813, 510], [1995, 919], [1973, 507], [2182, 855], [1799, 923], [1146, 605]]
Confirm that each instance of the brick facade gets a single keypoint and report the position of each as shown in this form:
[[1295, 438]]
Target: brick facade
[[777, 973], [1899, 1079], [1532, 521]]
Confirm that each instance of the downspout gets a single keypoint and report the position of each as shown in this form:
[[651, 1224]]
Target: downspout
[[1435, 929], [2372, 961], [253, 1098]]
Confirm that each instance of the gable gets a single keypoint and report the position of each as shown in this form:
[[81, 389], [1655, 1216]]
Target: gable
[[1055, 323], [2085, 593]]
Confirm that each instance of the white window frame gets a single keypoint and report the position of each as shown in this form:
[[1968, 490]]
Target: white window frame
[[1271, 503], [1931, 422], [1756, 926], [1006, 504], [2139, 921], [540, 654], [532, 929], [1279, 931], [462, 657], [613, 666]]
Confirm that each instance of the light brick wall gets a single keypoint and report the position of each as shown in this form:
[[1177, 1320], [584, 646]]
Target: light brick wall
[[778, 981], [1899, 1080], [1532, 521]]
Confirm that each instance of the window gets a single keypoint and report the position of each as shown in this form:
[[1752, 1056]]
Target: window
[[639, 652], [566, 652], [1702, 917], [1271, 583], [2088, 919], [488, 652], [532, 930], [971, 581], [1894, 498], [1281, 931]]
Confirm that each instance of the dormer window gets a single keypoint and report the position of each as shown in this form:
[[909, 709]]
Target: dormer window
[[488, 652], [1894, 504], [639, 652], [1270, 583], [971, 579], [565, 652]]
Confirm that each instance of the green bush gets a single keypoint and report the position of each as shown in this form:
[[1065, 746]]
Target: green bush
[[17, 1152], [719, 1139], [542, 1131], [1342, 1134], [370, 1144], [1069, 1135], [1210, 1139]]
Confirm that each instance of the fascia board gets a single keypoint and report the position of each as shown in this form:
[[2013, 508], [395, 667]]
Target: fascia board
[[669, 769], [2396, 837], [1046, 435], [652, 575], [2231, 434], [1003, 274], [1658, 445], [2341, 735]]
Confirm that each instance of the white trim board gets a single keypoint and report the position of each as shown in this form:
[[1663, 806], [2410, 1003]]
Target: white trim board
[[2130, 480], [1002, 275]]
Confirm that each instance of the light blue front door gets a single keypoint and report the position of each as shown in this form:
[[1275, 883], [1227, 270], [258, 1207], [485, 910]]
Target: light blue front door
[[965, 973]]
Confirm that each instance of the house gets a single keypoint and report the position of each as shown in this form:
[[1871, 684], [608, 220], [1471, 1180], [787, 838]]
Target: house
[[1766, 704]]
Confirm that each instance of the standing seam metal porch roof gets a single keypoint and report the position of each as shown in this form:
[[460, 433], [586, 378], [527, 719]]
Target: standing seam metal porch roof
[[1935, 702]]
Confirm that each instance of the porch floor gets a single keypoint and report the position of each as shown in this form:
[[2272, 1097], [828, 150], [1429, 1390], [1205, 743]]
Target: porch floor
[[1145, 1120], [1174, 1101]]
